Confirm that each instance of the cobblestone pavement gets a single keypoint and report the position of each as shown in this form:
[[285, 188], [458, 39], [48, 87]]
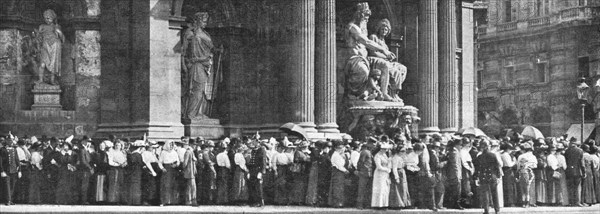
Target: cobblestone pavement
[[267, 209]]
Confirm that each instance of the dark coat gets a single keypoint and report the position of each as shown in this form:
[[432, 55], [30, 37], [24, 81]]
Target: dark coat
[[574, 159], [454, 165], [365, 164], [487, 167]]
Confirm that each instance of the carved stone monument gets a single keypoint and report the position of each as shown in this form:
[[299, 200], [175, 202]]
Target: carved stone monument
[[371, 106], [200, 78], [46, 97]]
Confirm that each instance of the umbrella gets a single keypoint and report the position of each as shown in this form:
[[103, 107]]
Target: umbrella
[[532, 132], [293, 129], [471, 131]]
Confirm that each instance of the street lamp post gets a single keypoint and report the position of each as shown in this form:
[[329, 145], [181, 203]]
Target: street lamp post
[[582, 94]]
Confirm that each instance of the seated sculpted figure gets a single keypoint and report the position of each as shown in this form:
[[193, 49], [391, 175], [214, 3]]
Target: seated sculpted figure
[[359, 65], [397, 71]]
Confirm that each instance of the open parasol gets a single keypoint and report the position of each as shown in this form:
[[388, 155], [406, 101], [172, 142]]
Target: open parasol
[[532, 132], [471, 131], [293, 129]]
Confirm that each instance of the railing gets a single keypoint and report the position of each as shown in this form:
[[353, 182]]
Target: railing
[[538, 21], [570, 14], [507, 26]]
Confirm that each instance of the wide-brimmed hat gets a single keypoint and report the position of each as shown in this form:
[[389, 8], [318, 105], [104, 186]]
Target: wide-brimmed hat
[[209, 143], [138, 143], [153, 144], [304, 143], [386, 146]]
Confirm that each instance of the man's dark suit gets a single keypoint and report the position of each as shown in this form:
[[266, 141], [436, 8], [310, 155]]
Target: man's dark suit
[[453, 177], [574, 173], [364, 170], [487, 171]]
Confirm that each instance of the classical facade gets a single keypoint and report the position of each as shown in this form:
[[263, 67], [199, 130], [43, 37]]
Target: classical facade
[[281, 61], [531, 55]]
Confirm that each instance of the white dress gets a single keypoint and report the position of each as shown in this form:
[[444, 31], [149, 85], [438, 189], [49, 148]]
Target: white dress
[[381, 181]]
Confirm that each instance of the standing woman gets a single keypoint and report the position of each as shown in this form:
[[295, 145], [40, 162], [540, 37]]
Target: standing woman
[[136, 168], [338, 176], [299, 170], [553, 183], [509, 180], [65, 173], [100, 163], [596, 169], [588, 194], [37, 176], [562, 166], [526, 162], [540, 175], [399, 197], [223, 174], [168, 161], [381, 178], [150, 174], [240, 188], [116, 161], [313, 174]]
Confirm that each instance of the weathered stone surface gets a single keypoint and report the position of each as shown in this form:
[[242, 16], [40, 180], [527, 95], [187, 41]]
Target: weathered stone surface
[[46, 97]]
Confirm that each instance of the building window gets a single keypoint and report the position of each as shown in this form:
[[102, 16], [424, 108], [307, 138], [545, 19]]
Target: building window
[[479, 79], [507, 11], [584, 66], [541, 70], [509, 75]]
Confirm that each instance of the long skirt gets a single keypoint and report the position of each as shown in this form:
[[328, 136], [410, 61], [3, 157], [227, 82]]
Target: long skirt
[[413, 183], [115, 181], [399, 195], [135, 187], [299, 185], [167, 185], [22, 188], [564, 191], [223, 174], [553, 185], [540, 185], [509, 186], [588, 193], [381, 189], [597, 184], [150, 185], [336, 190], [239, 192], [64, 190], [281, 188], [269, 186], [100, 193], [36, 178], [313, 179]]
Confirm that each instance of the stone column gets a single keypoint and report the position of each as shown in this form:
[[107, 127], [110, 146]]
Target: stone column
[[428, 66], [325, 67], [468, 76], [301, 64], [448, 73]]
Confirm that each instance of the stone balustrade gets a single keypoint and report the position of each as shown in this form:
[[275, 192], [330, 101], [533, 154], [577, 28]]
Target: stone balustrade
[[566, 15]]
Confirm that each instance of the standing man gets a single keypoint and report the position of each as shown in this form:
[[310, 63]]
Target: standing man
[[364, 170], [574, 171], [436, 164], [487, 174], [9, 169], [257, 168], [454, 174], [85, 170], [210, 174], [189, 174]]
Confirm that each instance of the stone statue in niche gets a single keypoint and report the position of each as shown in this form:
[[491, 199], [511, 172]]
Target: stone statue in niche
[[200, 78], [50, 39], [361, 67], [397, 71]]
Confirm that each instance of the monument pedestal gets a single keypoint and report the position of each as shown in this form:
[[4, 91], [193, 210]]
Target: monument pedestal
[[206, 127], [365, 118], [46, 97]]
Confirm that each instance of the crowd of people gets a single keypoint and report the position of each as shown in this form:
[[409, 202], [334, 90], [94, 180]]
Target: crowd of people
[[381, 172]]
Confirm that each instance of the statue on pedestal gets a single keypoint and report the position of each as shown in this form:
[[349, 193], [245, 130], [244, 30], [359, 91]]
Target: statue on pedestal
[[361, 68], [198, 79], [50, 38]]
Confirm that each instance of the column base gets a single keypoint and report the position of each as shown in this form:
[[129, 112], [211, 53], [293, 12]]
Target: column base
[[449, 130], [328, 128], [309, 127], [154, 131], [429, 130]]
